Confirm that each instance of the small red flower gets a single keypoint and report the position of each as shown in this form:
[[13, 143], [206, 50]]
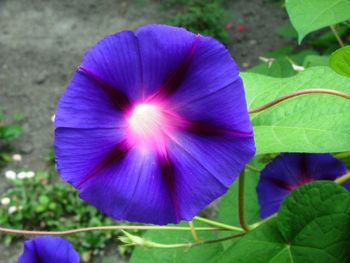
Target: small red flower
[[240, 28]]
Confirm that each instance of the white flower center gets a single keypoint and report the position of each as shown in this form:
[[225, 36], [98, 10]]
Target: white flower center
[[146, 120]]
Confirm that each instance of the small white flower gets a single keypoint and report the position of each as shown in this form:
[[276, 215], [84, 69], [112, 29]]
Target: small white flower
[[12, 209], [30, 174], [10, 175], [5, 201], [22, 175], [17, 157]]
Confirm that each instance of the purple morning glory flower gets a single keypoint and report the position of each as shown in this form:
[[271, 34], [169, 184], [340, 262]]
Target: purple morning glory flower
[[48, 249], [154, 125], [290, 170]]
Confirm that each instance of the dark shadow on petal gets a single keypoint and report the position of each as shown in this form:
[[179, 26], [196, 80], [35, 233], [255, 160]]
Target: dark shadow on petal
[[115, 155], [176, 77], [116, 95], [36, 252], [207, 129], [281, 184], [167, 170]]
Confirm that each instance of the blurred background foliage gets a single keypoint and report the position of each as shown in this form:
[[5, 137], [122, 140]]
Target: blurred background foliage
[[204, 17]]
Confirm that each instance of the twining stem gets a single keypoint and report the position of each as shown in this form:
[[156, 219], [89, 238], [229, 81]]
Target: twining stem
[[222, 226], [255, 225], [192, 244], [335, 32], [251, 167], [241, 218], [100, 228], [343, 179], [193, 231], [298, 93]]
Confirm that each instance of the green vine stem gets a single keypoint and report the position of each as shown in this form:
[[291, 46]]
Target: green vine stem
[[100, 228], [221, 226], [193, 231], [132, 240], [252, 168], [241, 217], [298, 93], [335, 33], [343, 179]]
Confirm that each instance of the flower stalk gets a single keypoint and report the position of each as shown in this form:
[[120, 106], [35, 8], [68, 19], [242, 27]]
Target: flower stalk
[[335, 33], [132, 240], [298, 93], [221, 226], [193, 232], [343, 179], [241, 217]]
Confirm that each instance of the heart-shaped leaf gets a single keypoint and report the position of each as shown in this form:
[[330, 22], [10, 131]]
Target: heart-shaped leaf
[[312, 226]]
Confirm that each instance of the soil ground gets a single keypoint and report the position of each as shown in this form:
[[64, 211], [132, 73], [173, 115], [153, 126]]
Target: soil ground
[[42, 42]]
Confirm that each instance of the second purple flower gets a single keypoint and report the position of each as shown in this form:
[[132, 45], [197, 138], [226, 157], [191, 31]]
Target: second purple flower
[[154, 125]]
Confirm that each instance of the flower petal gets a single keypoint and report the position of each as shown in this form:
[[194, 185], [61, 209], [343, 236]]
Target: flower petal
[[86, 105], [205, 167], [122, 182], [132, 189], [290, 170], [206, 78], [324, 166], [109, 76], [165, 53], [79, 152], [48, 249], [212, 69], [225, 109], [116, 61]]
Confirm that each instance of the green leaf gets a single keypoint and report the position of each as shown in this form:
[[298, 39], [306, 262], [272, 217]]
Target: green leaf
[[340, 61], [307, 123], [287, 30], [280, 52], [279, 68], [315, 60], [180, 255], [299, 57], [315, 219], [312, 226], [310, 15], [10, 131], [263, 244]]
